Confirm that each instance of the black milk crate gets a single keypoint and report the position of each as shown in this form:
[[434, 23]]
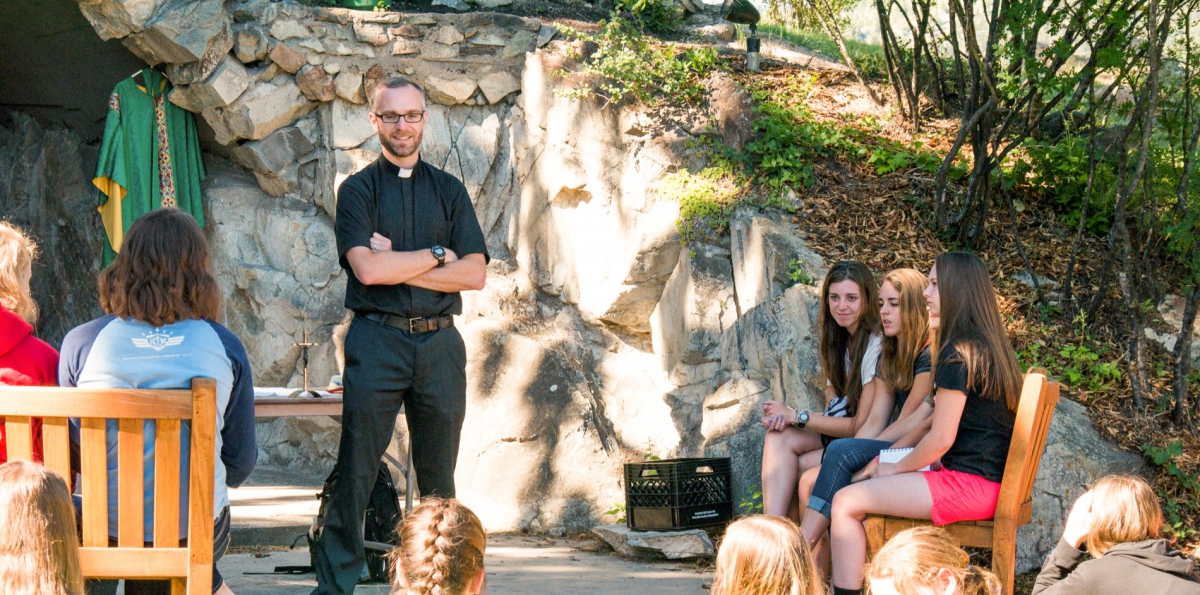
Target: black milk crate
[[678, 494]]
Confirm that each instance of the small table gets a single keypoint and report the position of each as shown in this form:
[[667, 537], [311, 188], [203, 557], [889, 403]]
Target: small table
[[270, 402]]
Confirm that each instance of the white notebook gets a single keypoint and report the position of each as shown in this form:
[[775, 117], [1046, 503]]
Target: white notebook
[[893, 455]]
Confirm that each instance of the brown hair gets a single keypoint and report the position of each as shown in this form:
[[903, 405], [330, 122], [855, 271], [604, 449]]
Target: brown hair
[[163, 273], [765, 555], [971, 326], [836, 341], [899, 352], [441, 548], [1124, 509], [396, 82], [915, 557], [39, 550], [17, 251]]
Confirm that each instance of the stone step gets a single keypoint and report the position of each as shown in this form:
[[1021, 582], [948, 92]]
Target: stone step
[[274, 507]]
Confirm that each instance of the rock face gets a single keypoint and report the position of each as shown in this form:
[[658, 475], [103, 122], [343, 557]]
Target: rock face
[[1075, 457], [46, 190], [599, 338]]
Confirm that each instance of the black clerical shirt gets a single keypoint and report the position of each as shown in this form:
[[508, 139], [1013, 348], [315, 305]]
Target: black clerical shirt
[[429, 208]]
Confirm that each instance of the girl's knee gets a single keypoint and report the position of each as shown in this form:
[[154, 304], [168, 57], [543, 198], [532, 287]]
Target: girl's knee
[[848, 503]]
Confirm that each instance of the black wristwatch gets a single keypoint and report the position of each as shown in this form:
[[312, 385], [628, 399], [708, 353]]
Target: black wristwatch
[[440, 254], [801, 419]]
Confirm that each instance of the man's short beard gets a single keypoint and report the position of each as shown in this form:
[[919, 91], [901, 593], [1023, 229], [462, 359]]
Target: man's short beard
[[392, 148]]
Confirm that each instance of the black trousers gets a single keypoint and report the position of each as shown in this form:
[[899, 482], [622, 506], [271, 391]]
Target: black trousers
[[387, 367]]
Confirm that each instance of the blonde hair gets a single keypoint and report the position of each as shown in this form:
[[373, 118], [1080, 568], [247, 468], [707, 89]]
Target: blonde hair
[[441, 548], [17, 251], [39, 550], [765, 555], [915, 557], [1124, 509], [899, 352]]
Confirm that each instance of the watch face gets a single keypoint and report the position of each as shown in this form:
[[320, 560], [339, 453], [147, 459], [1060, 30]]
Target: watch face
[[439, 251], [803, 417]]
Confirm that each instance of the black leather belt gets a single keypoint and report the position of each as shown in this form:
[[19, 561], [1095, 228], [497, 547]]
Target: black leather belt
[[412, 325]]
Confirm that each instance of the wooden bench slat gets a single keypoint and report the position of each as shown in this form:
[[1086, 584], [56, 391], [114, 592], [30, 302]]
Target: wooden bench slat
[[200, 488], [117, 562], [93, 454], [130, 492], [56, 446], [108, 403], [19, 431], [166, 483]]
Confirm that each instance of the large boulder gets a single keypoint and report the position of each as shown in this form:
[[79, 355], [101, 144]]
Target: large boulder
[[261, 110], [767, 253], [182, 31], [732, 427], [1075, 457], [696, 307], [118, 18]]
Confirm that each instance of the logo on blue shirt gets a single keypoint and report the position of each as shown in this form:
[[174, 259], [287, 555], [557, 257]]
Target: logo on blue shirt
[[157, 340]]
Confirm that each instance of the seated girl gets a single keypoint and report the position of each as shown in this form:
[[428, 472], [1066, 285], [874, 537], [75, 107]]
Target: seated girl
[[25, 360], [764, 555], [39, 550], [924, 560], [850, 344], [160, 331], [441, 551], [977, 386], [904, 371], [1121, 524]]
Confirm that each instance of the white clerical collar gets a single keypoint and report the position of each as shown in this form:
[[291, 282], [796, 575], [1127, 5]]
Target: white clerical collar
[[404, 173]]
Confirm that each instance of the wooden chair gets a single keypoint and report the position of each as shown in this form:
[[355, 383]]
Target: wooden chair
[[1015, 507], [189, 568]]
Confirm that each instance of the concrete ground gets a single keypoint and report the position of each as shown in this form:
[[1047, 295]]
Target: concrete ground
[[276, 506]]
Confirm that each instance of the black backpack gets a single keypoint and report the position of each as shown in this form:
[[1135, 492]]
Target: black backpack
[[382, 516]]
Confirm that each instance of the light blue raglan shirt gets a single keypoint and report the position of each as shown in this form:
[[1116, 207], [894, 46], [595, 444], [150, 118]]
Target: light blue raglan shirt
[[112, 352]]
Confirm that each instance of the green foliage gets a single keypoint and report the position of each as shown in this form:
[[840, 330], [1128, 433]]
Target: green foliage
[[891, 157], [706, 200], [751, 502], [617, 510], [1082, 367], [797, 274], [1059, 170], [867, 56], [656, 16], [628, 67], [383, 5], [1184, 499]]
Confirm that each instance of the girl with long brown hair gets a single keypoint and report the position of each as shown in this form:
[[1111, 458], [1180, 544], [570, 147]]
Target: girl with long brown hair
[[764, 555], [904, 370], [160, 331], [855, 405], [977, 385], [25, 360], [1120, 523], [39, 550], [926, 561], [441, 551]]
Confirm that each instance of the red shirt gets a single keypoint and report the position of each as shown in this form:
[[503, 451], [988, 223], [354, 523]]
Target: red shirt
[[25, 360]]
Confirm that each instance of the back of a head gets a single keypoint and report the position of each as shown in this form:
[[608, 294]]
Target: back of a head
[[17, 252], [914, 558], [1124, 509], [441, 548], [163, 273], [39, 549], [765, 555]]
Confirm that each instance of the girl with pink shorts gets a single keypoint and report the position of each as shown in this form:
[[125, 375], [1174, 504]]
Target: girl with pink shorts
[[977, 383]]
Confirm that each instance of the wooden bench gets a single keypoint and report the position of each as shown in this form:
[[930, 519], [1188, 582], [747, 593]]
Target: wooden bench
[[188, 568], [1015, 507]]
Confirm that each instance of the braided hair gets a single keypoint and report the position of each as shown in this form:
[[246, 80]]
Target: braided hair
[[441, 549], [915, 557]]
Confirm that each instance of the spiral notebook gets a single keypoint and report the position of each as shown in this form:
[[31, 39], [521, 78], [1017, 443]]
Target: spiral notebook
[[893, 455]]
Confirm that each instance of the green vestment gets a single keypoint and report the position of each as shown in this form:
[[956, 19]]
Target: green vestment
[[149, 158]]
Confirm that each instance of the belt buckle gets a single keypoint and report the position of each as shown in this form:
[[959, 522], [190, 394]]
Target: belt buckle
[[412, 325]]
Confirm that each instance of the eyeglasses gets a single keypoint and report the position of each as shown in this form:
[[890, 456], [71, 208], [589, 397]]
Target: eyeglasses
[[411, 118]]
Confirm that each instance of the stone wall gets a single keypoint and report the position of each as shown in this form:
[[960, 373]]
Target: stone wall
[[599, 339]]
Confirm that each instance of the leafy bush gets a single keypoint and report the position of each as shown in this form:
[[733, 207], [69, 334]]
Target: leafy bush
[[629, 67], [656, 16], [1059, 171]]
